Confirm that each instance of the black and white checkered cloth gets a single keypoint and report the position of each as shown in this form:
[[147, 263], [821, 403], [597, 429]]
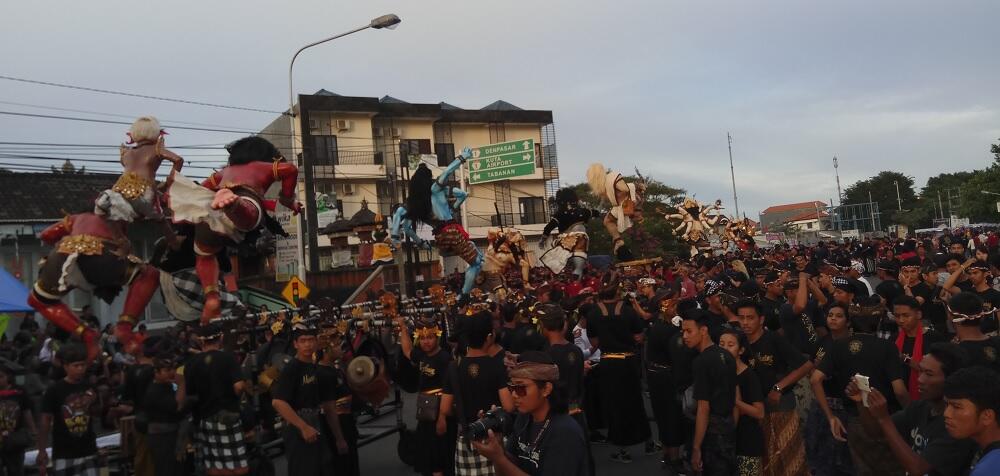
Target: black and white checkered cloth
[[468, 462], [187, 287], [86, 466], [220, 445]]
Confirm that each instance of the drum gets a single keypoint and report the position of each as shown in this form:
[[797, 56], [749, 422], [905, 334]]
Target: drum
[[366, 373], [126, 425]]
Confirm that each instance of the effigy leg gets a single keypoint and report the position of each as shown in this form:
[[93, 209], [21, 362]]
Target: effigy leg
[[59, 314], [140, 291]]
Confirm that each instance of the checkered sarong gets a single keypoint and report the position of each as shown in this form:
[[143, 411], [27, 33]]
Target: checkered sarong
[[86, 466], [470, 463], [184, 298], [219, 445]]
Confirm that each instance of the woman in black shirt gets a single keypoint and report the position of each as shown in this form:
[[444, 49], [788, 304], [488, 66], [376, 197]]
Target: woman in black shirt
[[544, 440], [749, 406]]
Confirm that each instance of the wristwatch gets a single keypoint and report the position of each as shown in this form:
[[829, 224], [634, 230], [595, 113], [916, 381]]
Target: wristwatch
[[776, 388]]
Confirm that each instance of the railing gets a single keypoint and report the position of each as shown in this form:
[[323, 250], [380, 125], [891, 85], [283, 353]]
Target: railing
[[352, 157]]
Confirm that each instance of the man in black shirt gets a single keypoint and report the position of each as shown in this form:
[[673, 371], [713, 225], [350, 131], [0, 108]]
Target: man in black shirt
[[772, 300], [616, 330], [475, 383], [889, 288], [863, 353], [138, 377], [66, 411], [661, 338], [214, 378], [916, 435], [779, 366], [298, 395], [912, 340], [965, 310], [972, 397], [713, 450], [927, 292], [162, 411], [802, 323]]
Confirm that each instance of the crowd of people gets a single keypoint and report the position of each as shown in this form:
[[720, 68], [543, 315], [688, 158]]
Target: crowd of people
[[866, 357]]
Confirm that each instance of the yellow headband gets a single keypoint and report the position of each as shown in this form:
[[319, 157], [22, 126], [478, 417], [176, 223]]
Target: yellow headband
[[422, 332]]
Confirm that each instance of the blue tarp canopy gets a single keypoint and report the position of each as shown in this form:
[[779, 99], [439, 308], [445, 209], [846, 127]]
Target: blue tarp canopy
[[13, 294]]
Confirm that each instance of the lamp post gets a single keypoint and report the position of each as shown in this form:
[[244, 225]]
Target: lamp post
[[383, 22]]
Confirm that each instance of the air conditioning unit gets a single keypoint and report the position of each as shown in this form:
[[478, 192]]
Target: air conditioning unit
[[342, 124], [377, 132], [313, 125], [395, 132], [347, 188]]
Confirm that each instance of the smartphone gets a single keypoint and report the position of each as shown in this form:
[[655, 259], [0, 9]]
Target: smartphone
[[865, 386]]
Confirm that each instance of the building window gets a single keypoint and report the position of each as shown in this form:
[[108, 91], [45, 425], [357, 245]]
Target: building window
[[445, 153], [532, 210], [324, 150], [408, 147], [809, 225]]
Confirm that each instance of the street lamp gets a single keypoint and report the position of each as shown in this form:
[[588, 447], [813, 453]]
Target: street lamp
[[388, 22]]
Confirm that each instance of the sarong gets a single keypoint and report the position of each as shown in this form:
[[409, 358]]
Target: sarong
[[192, 203], [785, 453], [452, 240]]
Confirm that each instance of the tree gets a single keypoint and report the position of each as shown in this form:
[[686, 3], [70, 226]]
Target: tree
[[995, 150], [882, 190], [974, 204]]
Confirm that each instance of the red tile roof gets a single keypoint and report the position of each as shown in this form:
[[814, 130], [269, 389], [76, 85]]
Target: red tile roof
[[793, 206], [811, 215]]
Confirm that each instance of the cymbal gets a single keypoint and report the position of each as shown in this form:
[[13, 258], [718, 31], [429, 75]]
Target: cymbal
[[360, 371]]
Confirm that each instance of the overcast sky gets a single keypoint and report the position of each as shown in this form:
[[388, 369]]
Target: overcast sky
[[899, 85]]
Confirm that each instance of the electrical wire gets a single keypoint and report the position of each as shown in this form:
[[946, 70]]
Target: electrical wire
[[106, 121], [136, 95], [109, 114]]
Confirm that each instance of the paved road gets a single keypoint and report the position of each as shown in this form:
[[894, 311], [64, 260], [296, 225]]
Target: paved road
[[379, 458]]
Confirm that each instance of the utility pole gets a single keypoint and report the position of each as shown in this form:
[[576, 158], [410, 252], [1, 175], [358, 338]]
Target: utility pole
[[732, 173], [899, 201], [940, 207], [871, 208], [840, 196]]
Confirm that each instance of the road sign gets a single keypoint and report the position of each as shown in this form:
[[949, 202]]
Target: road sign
[[295, 290], [286, 256], [502, 161]]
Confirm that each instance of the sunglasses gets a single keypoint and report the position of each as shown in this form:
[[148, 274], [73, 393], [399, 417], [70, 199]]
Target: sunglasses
[[519, 390]]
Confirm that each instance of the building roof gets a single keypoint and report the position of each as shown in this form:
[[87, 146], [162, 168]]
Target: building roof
[[391, 100], [793, 206], [810, 215], [447, 106], [323, 92], [501, 105], [48, 196]]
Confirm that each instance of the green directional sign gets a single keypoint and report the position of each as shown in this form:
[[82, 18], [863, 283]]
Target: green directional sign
[[502, 161]]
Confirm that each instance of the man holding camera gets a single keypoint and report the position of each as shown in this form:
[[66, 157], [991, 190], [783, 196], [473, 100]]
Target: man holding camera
[[475, 383], [544, 440]]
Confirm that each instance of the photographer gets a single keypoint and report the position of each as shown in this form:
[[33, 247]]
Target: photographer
[[545, 440]]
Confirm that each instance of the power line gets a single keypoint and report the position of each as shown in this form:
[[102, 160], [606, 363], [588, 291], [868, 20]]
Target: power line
[[99, 146], [106, 121], [97, 161], [135, 95], [99, 113]]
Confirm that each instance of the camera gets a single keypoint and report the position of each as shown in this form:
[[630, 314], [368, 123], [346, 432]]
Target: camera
[[496, 419]]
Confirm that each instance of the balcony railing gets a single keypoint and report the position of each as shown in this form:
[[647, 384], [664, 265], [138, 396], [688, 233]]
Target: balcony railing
[[350, 157]]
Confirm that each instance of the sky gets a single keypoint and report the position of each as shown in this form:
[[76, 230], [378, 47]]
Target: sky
[[910, 86]]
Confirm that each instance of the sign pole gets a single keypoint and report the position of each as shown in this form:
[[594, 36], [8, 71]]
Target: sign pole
[[462, 185]]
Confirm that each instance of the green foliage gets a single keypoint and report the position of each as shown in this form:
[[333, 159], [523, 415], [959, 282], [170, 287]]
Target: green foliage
[[653, 237], [882, 190]]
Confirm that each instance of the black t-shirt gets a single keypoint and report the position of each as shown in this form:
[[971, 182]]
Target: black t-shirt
[[558, 450], [616, 331], [860, 289], [772, 312], [772, 357], [479, 380], [334, 378], [829, 385], [569, 358], [926, 434], [137, 380], [658, 339], [984, 352], [160, 404], [72, 432], [13, 402], [800, 329], [749, 435], [867, 355], [889, 290], [433, 368], [210, 376], [682, 357], [715, 380], [930, 338], [932, 309], [300, 387]]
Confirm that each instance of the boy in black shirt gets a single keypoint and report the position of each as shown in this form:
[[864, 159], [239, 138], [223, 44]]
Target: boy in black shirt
[[912, 340], [162, 412], [779, 366], [713, 448], [965, 310], [801, 321], [298, 395], [16, 423], [475, 383], [433, 454], [66, 411], [213, 376], [916, 435]]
